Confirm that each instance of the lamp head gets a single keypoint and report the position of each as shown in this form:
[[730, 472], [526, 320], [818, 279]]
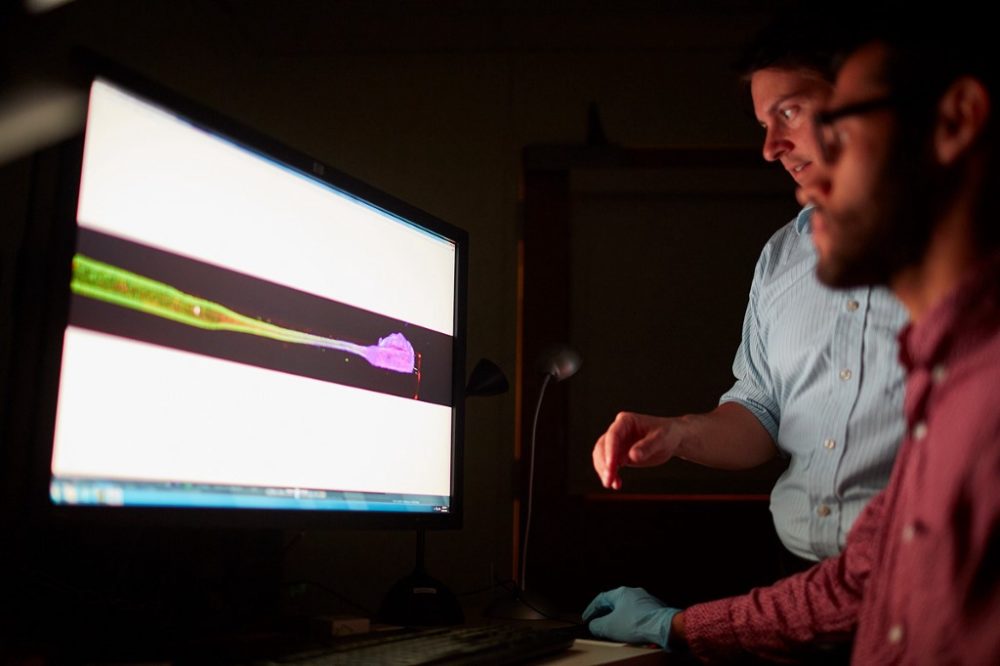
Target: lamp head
[[559, 362]]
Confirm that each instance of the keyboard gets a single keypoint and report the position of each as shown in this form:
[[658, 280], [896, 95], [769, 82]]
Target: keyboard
[[489, 644]]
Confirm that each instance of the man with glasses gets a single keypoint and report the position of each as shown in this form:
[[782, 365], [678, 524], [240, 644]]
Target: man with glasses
[[817, 380], [908, 198]]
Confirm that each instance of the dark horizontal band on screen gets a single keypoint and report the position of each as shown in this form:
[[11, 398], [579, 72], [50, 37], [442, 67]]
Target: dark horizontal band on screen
[[276, 304]]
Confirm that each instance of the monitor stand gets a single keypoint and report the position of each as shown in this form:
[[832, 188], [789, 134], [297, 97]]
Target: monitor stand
[[419, 600]]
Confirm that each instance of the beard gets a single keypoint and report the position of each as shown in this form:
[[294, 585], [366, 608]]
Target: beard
[[872, 241]]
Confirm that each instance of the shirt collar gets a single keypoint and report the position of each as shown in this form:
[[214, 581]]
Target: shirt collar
[[803, 221], [972, 306]]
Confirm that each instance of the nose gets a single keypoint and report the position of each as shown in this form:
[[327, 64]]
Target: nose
[[776, 143]]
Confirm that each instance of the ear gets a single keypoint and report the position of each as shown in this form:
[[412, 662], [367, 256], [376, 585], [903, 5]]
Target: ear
[[962, 115]]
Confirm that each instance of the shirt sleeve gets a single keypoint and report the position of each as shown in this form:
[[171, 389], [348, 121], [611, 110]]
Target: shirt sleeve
[[817, 606], [754, 388]]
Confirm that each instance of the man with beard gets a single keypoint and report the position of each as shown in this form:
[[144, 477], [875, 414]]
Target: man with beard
[[907, 198], [817, 379]]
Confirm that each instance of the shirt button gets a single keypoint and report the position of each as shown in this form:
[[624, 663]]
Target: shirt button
[[895, 633], [919, 431], [908, 533], [845, 374], [939, 373], [823, 510], [852, 305], [829, 443]]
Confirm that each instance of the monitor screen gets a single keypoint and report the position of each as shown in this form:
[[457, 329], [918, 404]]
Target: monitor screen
[[251, 332]]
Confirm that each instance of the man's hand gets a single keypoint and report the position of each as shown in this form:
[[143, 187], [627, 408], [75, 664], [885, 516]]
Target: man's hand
[[630, 615], [634, 440], [728, 437]]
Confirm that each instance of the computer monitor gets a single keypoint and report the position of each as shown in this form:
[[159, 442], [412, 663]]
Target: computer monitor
[[251, 336]]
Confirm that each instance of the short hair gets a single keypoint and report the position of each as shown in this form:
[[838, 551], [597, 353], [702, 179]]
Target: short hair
[[796, 39], [929, 49]]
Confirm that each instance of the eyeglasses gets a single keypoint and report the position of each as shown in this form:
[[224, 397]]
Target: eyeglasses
[[829, 139]]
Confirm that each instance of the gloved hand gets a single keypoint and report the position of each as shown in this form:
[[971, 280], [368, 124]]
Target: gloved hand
[[630, 615]]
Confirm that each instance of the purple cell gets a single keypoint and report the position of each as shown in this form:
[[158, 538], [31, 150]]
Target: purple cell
[[393, 352]]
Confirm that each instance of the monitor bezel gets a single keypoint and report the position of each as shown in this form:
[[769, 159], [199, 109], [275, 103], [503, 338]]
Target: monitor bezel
[[55, 249]]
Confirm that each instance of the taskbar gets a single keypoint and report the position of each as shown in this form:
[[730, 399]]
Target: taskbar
[[104, 492]]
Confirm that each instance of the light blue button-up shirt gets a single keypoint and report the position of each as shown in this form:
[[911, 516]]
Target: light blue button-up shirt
[[818, 367]]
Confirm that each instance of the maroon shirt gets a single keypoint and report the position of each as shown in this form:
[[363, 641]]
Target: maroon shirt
[[915, 580]]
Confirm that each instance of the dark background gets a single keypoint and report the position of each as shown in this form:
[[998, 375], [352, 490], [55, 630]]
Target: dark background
[[457, 108]]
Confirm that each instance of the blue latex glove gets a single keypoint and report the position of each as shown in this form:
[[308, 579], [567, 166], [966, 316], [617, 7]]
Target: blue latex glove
[[630, 615]]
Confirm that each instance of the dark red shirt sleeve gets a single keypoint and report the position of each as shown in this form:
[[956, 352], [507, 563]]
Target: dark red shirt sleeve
[[795, 614]]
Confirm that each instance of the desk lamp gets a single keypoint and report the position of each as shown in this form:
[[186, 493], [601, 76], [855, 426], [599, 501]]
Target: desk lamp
[[558, 362]]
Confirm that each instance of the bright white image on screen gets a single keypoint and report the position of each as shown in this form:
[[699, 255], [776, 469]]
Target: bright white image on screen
[[237, 424], [154, 179]]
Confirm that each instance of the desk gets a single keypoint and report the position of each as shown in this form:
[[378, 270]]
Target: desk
[[587, 653]]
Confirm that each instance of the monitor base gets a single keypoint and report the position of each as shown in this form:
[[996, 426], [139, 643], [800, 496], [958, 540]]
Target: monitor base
[[420, 600]]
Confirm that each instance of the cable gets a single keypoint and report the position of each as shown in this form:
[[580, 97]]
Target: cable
[[531, 483]]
